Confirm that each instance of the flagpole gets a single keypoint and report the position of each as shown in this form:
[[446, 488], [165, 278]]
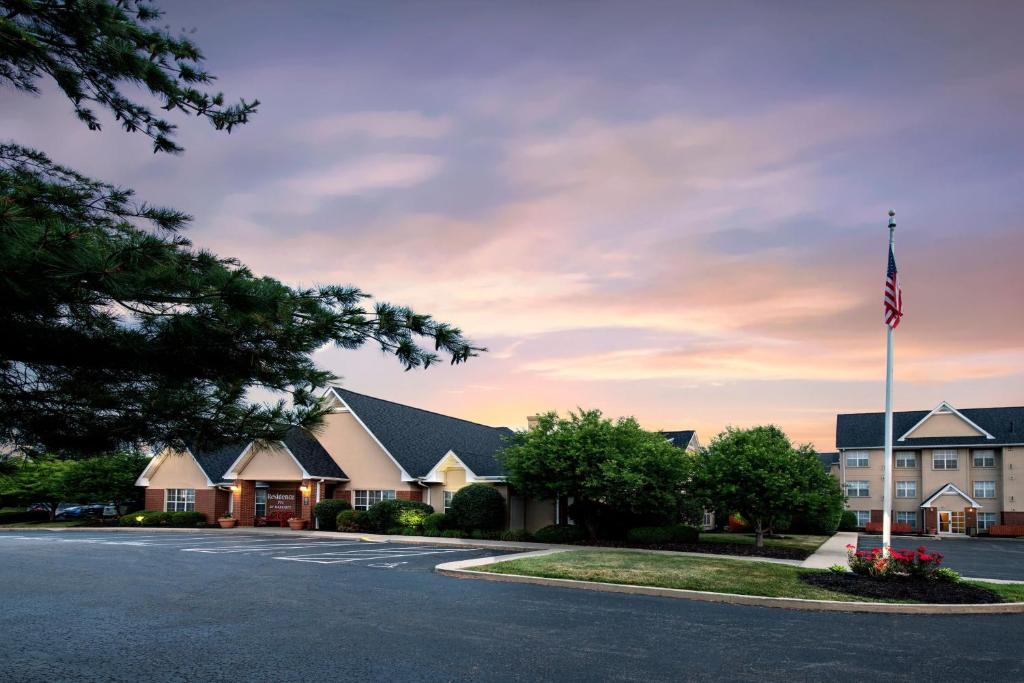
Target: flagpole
[[887, 483]]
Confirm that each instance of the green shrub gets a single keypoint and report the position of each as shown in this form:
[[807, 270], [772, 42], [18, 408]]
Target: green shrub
[[409, 532], [946, 574], [517, 535], [396, 512], [146, 518], [186, 518], [433, 533], [848, 521], [436, 521], [351, 520], [485, 535], [478, 506], [838, 569], [453, 533], [326, 513], [17, 516], [557, 533]]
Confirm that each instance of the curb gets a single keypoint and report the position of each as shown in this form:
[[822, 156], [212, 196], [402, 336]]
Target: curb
[[461, 570]]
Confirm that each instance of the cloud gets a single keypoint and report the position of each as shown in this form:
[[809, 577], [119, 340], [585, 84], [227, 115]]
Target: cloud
[[375, 124], [365, 174]]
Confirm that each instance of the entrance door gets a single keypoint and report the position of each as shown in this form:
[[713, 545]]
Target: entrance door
[[951, 522]]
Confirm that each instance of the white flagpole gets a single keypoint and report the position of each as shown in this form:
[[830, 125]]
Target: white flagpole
[[887, 483]]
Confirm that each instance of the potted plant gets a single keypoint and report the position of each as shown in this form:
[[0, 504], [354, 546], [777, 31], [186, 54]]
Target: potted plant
[[296, 523], [226, 521]]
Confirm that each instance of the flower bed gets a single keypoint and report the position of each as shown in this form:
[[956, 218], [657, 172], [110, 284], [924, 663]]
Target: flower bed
[[918, 563], [901, 588]]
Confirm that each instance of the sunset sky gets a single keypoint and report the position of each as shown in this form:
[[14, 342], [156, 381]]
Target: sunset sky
[[668, 211]]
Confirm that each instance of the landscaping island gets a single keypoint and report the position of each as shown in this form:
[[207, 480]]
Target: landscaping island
[[741, 577]]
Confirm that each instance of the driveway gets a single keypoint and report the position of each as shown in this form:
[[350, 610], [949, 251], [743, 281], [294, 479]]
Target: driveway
[[200, 607], [979, 558]]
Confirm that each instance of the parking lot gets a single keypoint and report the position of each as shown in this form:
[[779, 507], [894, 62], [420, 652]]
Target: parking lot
[[259, 547], [979, 558]]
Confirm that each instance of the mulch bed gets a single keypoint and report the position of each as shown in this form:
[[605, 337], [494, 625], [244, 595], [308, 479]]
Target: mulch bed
[[709, 549], [918, 590]]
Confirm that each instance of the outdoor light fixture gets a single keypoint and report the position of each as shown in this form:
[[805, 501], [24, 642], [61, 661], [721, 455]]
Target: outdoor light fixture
[[236, 489], [304, 489]]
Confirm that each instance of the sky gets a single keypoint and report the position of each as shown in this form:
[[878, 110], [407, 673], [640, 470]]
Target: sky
[[669, 210]]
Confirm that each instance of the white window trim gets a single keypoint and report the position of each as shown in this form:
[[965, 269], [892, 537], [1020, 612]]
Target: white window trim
[[974, 488], [866, 487], [991, 454], [912, 485], [178, 501], [906, 513], [447, 500], [866, 455], [862, 513], [946, 453], [904, 455], [367, 505]]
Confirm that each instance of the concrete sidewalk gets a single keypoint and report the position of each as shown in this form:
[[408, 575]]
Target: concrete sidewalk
[[832, 551]]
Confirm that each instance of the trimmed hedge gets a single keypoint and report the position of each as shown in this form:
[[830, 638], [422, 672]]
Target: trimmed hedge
[[557, 533], [326, 513], [478, 506], [397, 512], [517, 535], [351, 520], [18, 516], [187, 519], [453, 533], [663, 535], [485, 535], [848, 522], [437, 521]]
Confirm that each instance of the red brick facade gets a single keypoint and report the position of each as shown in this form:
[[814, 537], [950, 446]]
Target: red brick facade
[[412, 494], [155, 499], [931, 520], [245, 502], [1013, 518], [211, 502]]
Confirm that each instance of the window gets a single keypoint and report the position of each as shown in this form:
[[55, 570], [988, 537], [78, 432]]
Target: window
[[180, 500], [709, 519], [984, 458], [448, 500], [984, 489], [858, 489], [985, 520], [945, 460], [907, 517], [906, 489], [261, 502], [906, 460], [364, 499], [857, 459], [863, 517]]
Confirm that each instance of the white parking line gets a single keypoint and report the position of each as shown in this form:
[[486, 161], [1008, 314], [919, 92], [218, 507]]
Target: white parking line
[[270, 546], [333, 559]]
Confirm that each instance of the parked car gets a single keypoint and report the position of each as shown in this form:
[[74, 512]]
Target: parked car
[[79, 511]]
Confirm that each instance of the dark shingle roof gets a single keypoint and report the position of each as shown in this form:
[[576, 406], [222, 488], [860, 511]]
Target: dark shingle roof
[[867, 430], [418, 439], [680, 439], [828, 459], [311, 455], [217, 461]]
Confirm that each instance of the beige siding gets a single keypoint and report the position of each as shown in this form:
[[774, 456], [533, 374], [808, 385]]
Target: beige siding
[[1012, 468], [539, 513], [358, 454], [943, 424], [269, 464], [177, 471]]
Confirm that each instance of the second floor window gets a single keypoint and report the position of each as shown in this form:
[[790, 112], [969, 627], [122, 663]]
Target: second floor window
[[365, 499], [984, 489], [984, 458], [945, 460], [906, 460], [857, 459], [858, 489], [906, 489]]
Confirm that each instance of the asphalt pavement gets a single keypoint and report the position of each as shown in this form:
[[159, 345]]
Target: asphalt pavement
[[119, 607]]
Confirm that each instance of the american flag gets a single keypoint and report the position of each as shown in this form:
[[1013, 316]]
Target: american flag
[[893, 294]]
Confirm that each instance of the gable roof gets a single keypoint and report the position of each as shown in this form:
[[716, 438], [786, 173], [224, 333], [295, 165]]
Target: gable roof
[[679, 439], [312, 456], [828, 459], [215, 462], [417, 439], [867, 430], [949, 488]]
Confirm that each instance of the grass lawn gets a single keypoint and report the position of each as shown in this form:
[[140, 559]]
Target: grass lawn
[[794, 542], [691, 573]]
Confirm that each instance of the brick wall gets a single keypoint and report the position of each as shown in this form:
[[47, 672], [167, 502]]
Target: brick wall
[[245, 502], [206, 503], [970, 518], [931, 520], [1014, 518], [416, 494], [154, 499], [876, 516], [306, 503]]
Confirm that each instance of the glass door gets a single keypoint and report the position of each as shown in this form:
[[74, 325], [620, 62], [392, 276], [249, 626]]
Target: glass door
[[944, 522], [956, 522]]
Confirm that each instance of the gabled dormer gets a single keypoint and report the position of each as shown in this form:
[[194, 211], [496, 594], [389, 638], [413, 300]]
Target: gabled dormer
[[945, 421]]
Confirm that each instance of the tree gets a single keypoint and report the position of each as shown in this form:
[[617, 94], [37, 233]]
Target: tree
[[42, 480], [478, 506], [759, 474], [608, 468], [108, 478], [117, 331]]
